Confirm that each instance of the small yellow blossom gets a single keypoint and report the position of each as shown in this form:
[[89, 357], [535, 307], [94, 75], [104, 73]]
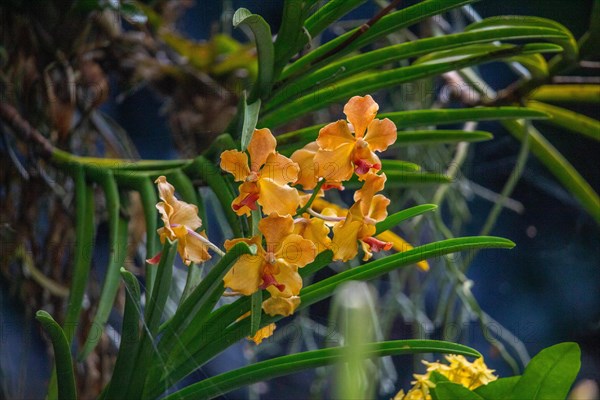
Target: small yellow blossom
[[345, 148], [469, 374], [265, 179], [180, 222]]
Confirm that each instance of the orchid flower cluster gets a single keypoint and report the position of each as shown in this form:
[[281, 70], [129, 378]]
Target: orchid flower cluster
[[289, 233]]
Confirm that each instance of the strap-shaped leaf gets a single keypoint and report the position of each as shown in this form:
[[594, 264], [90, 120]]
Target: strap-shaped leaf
[[403, 215], [84, 240], [570, 49], [264, 46], [415, 118], [352, 65], [390, 23], [285, 365], [199, 304], [218, 326], [559, 167], [571, 93], [328, 14], [569, 120], [250, 112], [62, 356], [130, 339], [372, 81], [117, 237], [152, 315], [291, 36]]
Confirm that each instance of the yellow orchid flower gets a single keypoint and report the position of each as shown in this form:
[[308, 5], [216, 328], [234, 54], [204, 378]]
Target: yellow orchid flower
[[307, 178], [345, 148], [315, 230], [266, 179], [359, 224], [276, 267], [180, 221]]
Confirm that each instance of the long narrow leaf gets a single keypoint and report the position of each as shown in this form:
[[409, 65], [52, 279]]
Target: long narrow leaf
[[348, 66], [264, 46], [403, 215], [559, 167], [574, 93], [373, 81], [201, 352], [84, 239], [417, 118], [152, 315], [118, 252], [285, 365], [390, 23], [569, 120], [130, 339], [62, 356]]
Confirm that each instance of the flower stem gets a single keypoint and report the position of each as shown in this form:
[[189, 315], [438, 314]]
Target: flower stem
[[312, 198]]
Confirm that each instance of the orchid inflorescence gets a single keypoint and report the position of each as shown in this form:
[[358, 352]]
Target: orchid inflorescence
[[289, 233]]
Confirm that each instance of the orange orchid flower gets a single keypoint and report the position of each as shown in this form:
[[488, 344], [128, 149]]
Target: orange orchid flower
[[276, 267], [181, 222], [359, 224], [348, 147], [265, 179], [313, 229], [307, 178]]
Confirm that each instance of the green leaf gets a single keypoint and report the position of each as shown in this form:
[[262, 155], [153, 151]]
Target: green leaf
[[392, 22], [372, 81], [324, 288], [84, 241], [550, 374], [466, 52], [400, 166], [117, 237], [352, 65], [250, 112], [401, 179], [149, 200], [567, 57], [62, 356], [573, 93], [152, 315], [255, 312], [453, 391], [291, 36], [403, 215], [499, 389], [197, 307], [406, 138], [264, 47], [285, 365], [559, 167], [328, 14], [130, 339], [569, 120], [416, 118]]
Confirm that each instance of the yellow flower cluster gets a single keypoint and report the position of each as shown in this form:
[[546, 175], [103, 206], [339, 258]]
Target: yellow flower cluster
[[459, 370], [290, 233]]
